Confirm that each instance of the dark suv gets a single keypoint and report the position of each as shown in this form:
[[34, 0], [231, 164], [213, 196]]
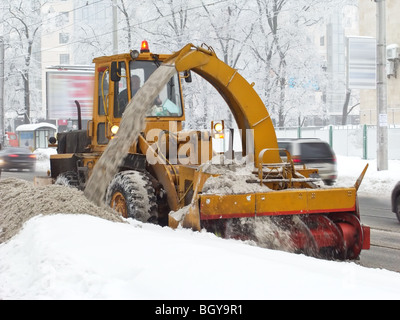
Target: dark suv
[[314, 153]]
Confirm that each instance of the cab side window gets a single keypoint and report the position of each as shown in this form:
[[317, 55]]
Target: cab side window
[[121, 94], [103, 92]]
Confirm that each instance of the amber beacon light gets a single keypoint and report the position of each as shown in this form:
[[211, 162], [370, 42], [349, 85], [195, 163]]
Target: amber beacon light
[[144, 47]]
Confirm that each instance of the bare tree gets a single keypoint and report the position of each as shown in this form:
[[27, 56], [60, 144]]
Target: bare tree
[[232, 28], [172, 29], [24, 23], [124, 10], [133, 14], [285, 54]]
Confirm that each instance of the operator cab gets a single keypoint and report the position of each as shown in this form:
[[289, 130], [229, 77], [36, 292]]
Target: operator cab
[[168, 102], [118, 78]]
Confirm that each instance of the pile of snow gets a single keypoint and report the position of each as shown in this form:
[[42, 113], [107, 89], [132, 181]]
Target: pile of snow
[[377, 183], [20, 201], [43, 156], [83, 256], [230, 176]]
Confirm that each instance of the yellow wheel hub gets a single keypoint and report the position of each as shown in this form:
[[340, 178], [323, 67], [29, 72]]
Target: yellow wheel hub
[[118, 203]]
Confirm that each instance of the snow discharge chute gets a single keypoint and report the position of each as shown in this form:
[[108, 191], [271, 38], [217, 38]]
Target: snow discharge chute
[[320, 222]]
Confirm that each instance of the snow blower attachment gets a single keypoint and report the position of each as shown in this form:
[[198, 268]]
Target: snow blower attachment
[[165, 175], [323, 223]]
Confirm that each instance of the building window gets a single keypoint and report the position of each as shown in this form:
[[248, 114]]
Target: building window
[[63, 38], [64, 58], [65, 17]]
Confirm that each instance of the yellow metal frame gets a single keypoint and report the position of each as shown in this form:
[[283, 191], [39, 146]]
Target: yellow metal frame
[[286, 202], [247, 108]]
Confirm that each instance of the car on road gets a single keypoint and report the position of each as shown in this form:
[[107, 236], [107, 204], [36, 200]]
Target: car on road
[[17, 158], [396, 200], [314, 153]]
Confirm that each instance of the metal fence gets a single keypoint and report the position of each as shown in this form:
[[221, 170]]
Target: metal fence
[[356, 141]]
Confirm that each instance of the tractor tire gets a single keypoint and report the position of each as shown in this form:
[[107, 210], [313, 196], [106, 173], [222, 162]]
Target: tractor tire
[[68, 178], [398, 207], [132, 195]]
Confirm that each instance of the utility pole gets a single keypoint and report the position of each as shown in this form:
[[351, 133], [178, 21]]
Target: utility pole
[[2, 129], [382, 120], [115, 27]]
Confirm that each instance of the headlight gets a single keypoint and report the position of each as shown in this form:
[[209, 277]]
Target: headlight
[[114, 129], [134, 54], [218, 127]]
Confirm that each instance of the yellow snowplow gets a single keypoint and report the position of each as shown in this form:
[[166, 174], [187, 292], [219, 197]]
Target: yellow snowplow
[[169, 176]]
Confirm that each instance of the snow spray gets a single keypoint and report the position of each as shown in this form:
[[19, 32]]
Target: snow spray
[[132, 123]]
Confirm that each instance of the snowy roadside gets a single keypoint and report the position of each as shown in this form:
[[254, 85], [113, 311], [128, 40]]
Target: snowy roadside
[[68, 256], [84, 257], [375, 183]]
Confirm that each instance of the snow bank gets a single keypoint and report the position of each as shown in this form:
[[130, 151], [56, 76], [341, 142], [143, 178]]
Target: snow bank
[[43, 155], [64, 256], [20, 201], [84, 257], [377, 183]]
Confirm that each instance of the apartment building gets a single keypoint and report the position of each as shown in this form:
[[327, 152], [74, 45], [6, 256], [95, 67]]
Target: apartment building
[[342, 24], [331, 41], [61, 40], [57, 29]]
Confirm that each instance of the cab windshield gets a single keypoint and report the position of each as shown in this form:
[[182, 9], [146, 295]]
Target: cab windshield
[[166, 104]]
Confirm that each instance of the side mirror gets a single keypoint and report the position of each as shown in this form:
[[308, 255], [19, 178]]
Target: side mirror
[[115, 71], [52, 141]]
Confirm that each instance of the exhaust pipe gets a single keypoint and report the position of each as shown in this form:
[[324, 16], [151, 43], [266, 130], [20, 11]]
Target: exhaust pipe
[[78, 108]]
